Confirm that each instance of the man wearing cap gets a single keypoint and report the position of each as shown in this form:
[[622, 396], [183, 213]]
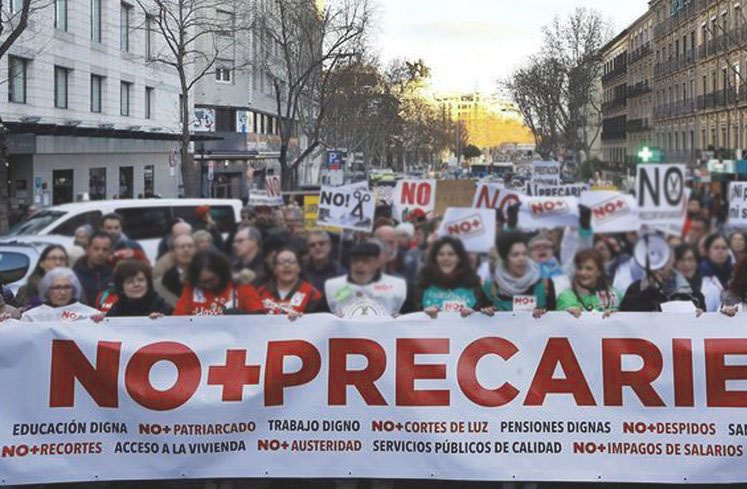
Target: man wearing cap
[[365, 291]]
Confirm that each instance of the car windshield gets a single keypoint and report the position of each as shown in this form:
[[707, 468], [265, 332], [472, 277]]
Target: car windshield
[[35, 223]]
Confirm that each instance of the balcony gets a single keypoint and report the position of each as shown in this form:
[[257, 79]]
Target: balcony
[[640, 88], [682, 16], [614, 104], [639, 53], [618, 71], [638, 125]]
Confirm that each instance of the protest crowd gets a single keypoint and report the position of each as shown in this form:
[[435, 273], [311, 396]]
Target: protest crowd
[[272, 264]]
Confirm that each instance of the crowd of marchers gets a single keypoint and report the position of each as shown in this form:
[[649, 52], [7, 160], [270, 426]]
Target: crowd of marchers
[[271, 264]]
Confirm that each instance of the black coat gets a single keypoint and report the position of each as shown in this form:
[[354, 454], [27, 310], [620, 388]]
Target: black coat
[[150, 304], [651, 299]]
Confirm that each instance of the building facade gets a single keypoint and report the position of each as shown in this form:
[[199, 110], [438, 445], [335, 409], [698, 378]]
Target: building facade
[[88, 115], [615, 102], [696, 100], [639, 127]]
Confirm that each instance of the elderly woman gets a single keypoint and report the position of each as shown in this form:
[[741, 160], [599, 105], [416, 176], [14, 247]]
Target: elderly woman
[[203, 240], [287, 293], [61, 292]]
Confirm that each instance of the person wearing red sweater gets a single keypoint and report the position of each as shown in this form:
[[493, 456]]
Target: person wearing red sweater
[[210, 290], [287, 293]]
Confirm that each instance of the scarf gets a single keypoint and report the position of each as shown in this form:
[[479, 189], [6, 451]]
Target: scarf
[[510, 285], [551, 268]]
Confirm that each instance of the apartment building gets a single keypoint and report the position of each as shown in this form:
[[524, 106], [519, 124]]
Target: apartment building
[[87, 112], [615, 101], [639, 127], [239, 96]]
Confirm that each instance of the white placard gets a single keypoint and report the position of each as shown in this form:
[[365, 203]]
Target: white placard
[[575, 190], [738, 204], [661, 193], [546, 173], [547, 213], [494, 196], [475, 227], [611, 212], [409, 195], [348, 207]]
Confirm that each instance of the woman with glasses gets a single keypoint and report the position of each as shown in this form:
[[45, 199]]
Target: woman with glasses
[[52, 257], [211, 291], [61, 293], [287, 292]]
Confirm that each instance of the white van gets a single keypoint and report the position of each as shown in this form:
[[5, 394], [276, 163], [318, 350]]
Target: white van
[[146, 221]]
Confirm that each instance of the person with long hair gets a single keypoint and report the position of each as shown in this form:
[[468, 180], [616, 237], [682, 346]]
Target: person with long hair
[[448, 283], [686, 262], [717, 261], [211, 291], [590, 289], [518, 278], [52, 257], [288, 292], [738, 245], [734, 297]]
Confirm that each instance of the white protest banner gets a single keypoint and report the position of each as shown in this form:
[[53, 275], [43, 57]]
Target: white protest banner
[[546, 173], [540, 213], [631, 399], [476, 228], [738, 204], [494, 196], [574, 190], [611, 212], [348, 207], [262, 198], [662, 199], [409, 195]]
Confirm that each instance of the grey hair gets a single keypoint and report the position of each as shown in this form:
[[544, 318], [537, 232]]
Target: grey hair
[[58, 273], [86, 228], [252, 234], [320, 232], [202, 234]]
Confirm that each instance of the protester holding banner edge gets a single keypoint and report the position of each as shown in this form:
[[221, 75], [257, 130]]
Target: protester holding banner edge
[[590, 289]]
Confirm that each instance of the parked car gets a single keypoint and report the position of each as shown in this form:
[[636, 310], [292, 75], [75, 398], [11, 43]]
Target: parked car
[[18, 261], [145, 221]]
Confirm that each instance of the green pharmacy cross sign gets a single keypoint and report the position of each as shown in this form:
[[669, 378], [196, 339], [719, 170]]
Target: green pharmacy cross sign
[[649, 155]]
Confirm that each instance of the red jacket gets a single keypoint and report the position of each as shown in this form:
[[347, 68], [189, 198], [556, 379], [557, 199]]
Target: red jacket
[[303, 298], [198, 302]]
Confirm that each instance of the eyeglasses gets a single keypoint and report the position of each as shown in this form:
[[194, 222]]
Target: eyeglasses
[[55, 258], [318, 244], [61, 288], [286, 263]]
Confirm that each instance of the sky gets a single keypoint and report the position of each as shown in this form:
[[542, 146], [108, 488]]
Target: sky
[[469, 44]]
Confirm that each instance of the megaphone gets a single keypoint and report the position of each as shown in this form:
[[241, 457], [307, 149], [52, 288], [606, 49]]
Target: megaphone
[[652, 252]]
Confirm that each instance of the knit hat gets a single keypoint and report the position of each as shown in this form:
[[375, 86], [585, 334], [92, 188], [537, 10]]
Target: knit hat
[[406, 228], [541, 238]]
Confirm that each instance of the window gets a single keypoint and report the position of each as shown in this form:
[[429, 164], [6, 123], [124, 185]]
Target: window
[[97, 83], [13, 267], [223, 70], [145, 222], [97, 183], [125, 14], [67, 228], [226, 22], [126, 183], [149, 23], [149, 93], [149, 186], [96, 20], [17, 73], [16, 6], [125, 88], [61, 81], [60, 15]]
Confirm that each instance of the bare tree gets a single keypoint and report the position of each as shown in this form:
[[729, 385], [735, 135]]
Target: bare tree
[[557, 90], [302, 47], [13, 23], [194, 36]]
